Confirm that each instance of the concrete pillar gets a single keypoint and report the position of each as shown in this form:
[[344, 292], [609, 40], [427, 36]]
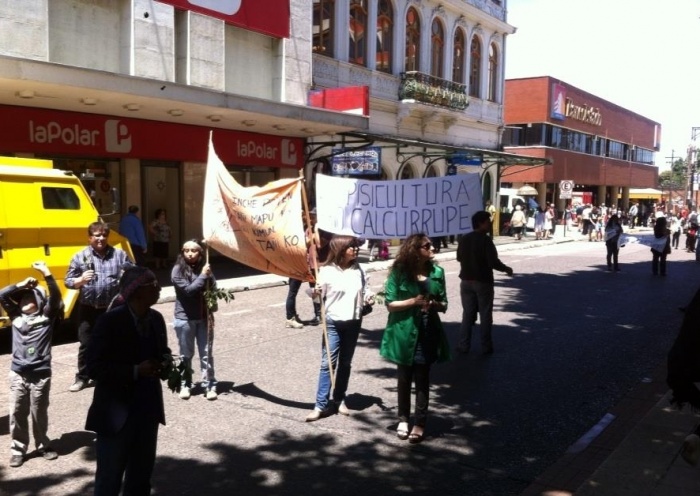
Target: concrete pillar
[[541, 194], [601, 196], [625, 200]]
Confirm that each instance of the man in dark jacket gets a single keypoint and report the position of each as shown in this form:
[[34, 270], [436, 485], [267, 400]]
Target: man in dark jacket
[[126, 357], [33, 318], [478, 257]]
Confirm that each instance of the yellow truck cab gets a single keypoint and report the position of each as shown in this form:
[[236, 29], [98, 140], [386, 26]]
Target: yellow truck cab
[[44, 215]]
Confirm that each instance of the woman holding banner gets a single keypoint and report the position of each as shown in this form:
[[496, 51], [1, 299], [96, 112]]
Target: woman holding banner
[[414, 338], [342, 285]]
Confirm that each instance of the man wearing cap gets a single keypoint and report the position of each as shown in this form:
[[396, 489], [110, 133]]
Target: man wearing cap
[[126, 357], [94, 271], [33, 317], [132, 229]]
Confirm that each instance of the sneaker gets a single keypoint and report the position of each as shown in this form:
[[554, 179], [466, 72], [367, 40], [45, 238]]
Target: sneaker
[[185, 393], [49, 454], [315, 414], [343, 410], [691, 449], [211, 395], [293, 323], [78, 385], [16, 460]]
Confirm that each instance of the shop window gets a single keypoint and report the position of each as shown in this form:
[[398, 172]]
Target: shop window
[[475, 67], [323, 27], [458, 57], [493, 73], [54, 198], [412, 55], [437, 48], [358, 29], [385, 34]]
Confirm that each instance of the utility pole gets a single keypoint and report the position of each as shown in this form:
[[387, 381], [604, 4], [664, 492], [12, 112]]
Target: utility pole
[[692, 154]]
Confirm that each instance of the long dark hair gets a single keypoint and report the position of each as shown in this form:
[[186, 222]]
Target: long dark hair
[[337, 246], [185, 268], [614, 219], [408, 261]]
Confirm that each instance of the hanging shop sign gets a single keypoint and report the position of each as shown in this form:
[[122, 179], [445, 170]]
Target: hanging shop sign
[[270, 17], [365, 162]]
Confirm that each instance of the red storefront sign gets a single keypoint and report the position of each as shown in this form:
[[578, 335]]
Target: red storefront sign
[[47, 132], [270, 17]]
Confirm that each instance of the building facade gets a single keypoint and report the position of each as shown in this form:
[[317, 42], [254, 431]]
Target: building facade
[[124, 93], [435, 73], [598, 149]]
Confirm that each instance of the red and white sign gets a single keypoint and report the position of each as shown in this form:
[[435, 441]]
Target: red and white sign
[[48, 132], [352, 100], [270, 17]]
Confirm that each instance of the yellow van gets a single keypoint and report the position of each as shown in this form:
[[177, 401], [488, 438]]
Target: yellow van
[[44, 215]]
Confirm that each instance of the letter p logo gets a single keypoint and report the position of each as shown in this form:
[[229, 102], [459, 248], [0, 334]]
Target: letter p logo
[[117, 137], [289, 152]]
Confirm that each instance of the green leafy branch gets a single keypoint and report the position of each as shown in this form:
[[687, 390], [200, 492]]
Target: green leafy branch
[[213, 295], [176, 372]]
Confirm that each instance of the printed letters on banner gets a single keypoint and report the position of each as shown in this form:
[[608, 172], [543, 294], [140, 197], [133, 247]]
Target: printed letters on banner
[[260, 227], [436, 206]]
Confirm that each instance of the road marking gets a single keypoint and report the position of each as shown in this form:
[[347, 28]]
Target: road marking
[[589, 436], [236, 313]]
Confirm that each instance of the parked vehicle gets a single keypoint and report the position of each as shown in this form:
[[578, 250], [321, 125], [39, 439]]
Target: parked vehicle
[[44, 215]]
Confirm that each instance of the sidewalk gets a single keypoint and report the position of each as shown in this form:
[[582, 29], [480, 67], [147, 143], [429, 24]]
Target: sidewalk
[[632, 451]]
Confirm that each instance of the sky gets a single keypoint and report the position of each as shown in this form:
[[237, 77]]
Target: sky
[[641, 55]]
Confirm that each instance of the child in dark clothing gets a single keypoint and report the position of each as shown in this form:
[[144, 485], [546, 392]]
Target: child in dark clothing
[[33, 316]]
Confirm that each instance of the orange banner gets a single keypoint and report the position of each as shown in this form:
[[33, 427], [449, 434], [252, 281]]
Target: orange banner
[[261, 227]]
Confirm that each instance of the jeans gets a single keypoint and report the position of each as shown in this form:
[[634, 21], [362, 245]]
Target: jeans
[[191, 331], [658, 261], [476, 296], [291, 303], [342, 340], [130, 454], [406, 375], [29, 395], [612, 253]]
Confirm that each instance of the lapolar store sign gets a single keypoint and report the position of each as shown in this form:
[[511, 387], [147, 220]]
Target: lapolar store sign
[[48, 132]]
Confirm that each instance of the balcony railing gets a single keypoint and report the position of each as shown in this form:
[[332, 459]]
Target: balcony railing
[[433, 90]]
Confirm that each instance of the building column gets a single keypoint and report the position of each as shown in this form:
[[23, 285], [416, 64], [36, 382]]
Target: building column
[[625, 200], [541, 194], [601, 195]]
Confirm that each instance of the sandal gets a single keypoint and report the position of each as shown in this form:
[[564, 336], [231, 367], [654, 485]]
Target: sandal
[[415, 437], [402, 430]]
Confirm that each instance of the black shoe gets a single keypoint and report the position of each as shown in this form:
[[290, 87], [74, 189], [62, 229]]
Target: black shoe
[[16, 460], [78, 385], [315, 321], [49, 454]]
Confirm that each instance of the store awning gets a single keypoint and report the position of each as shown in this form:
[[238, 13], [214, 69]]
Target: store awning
[[432, 151]]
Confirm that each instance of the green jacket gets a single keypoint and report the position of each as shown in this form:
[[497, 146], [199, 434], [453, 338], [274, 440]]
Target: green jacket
[[401, 333]]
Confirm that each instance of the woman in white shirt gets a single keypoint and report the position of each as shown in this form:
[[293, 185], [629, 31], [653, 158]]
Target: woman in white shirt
[[343, 286]]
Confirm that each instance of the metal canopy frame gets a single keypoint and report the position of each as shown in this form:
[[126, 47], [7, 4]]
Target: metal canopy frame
[[431, 152]]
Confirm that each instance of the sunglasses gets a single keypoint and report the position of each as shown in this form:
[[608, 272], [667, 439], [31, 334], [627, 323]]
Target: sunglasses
[[427, 246]]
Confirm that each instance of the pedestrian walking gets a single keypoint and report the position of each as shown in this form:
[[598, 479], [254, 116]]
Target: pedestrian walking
[[132, 229], [517, 222], [414, 338], [613, 231], [94, 271], [126, 358], [191, 277], [478, 258], [160, 230], [660, 247], [33, 318], [343, 286], [676, 229]]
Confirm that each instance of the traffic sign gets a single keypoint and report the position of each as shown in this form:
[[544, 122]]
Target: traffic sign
[[566, 187]]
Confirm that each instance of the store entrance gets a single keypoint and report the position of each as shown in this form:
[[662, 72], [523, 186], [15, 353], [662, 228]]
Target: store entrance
[[160, 184]]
